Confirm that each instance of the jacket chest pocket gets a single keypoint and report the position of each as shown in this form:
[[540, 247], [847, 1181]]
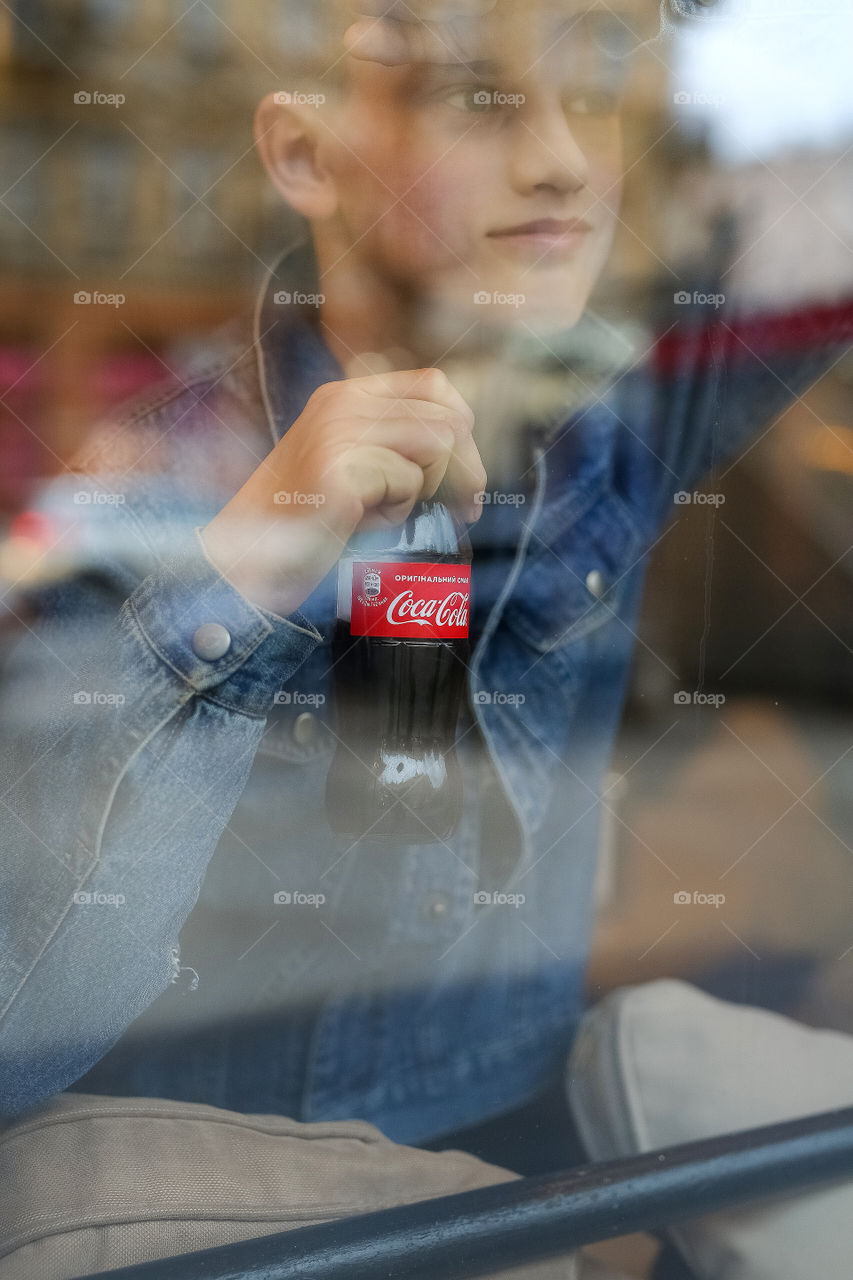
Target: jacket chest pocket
[[574, 587]]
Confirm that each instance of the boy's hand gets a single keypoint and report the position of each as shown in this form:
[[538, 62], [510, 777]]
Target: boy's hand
[[359, 456]]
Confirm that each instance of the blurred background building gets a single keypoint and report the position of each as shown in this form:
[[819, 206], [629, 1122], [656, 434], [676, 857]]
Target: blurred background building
[[158, 198]]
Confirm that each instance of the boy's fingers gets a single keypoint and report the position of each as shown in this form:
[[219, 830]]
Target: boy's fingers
[[395, 42], [375, 40], [429, 385], [465, 477]]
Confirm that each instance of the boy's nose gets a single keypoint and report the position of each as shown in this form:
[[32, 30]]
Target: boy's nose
[[545, 152]]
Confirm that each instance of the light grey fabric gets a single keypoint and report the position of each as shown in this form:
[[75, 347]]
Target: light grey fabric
[[665, 1063], [91, 1183]]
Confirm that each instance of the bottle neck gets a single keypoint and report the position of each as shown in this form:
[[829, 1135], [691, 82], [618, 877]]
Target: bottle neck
[[430, 528]]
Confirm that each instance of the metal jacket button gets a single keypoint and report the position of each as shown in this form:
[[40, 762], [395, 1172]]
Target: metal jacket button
[[595, 583], [305, 729], [437, 906], [211, 642]]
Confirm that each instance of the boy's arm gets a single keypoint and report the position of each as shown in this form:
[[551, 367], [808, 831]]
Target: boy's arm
[[126, 741], [123, 792]]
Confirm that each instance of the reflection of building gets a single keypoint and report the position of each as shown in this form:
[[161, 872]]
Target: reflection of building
[[158, 197], [171, 155]]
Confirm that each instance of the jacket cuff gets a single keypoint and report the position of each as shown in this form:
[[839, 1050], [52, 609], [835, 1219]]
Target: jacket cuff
[[214, 639]]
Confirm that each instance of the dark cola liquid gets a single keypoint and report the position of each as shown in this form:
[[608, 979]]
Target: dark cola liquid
[[395, 774], [395, 777]]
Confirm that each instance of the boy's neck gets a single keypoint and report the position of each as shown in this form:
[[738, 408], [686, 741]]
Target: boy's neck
[[362, 312]]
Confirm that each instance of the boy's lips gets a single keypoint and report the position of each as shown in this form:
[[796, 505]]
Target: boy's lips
[[544, 234]]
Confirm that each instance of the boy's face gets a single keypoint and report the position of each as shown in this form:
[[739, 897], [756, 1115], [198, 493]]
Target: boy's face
[[496, 175]]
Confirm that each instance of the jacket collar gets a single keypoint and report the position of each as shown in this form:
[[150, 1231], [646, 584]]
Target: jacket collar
[[293, 359]]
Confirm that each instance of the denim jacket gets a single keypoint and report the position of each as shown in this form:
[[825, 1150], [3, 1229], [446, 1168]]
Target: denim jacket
[[178, 919]]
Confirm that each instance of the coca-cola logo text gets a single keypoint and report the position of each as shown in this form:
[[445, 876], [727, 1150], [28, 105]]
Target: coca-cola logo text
[[423, 601], [450, 612]]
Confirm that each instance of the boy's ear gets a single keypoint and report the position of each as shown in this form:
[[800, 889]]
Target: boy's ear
[[287, 137]]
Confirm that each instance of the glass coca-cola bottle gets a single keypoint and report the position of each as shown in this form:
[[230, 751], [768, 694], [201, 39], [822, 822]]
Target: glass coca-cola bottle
[[401, 655]]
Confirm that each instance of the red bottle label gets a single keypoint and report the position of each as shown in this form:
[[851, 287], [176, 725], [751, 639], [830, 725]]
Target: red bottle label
[[410, 601]]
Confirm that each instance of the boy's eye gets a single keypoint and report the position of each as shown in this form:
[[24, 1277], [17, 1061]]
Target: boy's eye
[[480, 99], [474, 98]]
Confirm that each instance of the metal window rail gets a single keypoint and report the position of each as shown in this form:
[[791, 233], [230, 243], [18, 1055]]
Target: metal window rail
[[485, 1231]]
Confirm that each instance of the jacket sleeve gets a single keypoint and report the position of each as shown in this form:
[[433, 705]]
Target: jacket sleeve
[[122, 757]]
